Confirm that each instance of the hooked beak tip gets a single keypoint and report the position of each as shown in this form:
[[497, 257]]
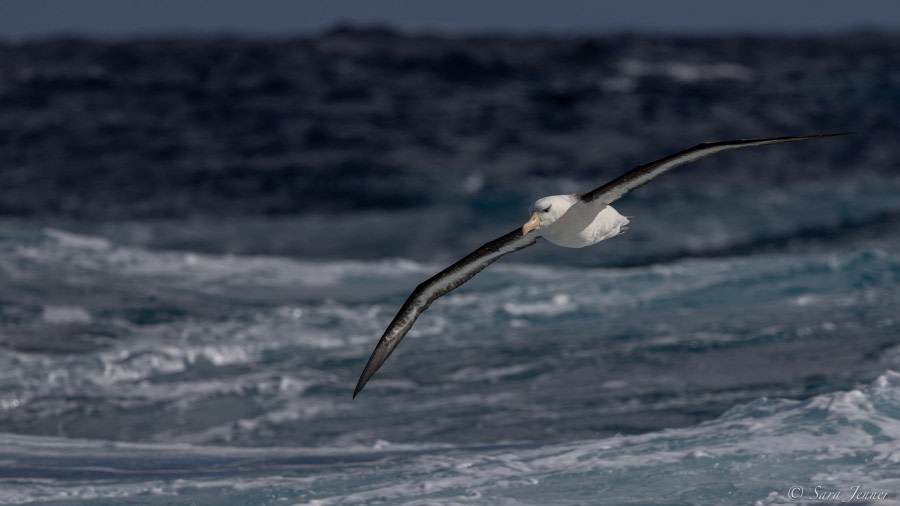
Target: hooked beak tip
[[531, 224]]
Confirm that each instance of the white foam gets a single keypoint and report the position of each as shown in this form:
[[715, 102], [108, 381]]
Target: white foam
[[687, 72], [64, 315], [560, 303], [855, 445], [73, 240]]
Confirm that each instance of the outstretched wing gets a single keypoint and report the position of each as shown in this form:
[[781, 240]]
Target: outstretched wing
[[435, 287], [643, 174]]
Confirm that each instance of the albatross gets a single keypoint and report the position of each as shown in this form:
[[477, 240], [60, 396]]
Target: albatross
[[570, 221]]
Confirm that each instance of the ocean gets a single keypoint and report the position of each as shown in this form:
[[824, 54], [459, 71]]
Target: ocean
[[203, 238]]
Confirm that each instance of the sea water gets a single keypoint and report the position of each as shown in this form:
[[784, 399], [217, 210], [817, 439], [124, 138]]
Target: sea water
[[203, 239]]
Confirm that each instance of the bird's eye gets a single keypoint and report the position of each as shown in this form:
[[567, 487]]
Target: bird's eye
[[546, 210]]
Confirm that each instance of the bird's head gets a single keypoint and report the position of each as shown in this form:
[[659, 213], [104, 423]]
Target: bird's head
[[547, 210]]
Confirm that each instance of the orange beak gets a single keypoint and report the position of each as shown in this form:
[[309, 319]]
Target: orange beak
[[531, 224]]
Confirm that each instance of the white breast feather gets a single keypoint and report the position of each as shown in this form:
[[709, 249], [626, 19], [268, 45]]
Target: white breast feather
[[585, 224]]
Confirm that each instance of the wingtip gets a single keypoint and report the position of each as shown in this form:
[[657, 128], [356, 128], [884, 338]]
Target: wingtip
[[369, 370], [358, 389], [813, 136], [382, 351], [791, 138], [366, 375], [360, 384], [817, 136]]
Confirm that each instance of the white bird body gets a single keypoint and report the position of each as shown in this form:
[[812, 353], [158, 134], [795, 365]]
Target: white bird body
[[572, 223]]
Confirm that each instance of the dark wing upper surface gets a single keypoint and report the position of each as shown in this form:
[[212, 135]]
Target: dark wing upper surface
[[642, 174], [435, 287]]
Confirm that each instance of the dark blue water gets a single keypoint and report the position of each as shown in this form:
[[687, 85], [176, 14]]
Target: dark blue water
[[202, 239]]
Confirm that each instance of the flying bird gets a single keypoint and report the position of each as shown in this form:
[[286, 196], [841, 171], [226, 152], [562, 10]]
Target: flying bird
[[571, 221]]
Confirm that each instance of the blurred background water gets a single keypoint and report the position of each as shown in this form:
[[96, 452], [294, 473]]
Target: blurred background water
[[202, 238]]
